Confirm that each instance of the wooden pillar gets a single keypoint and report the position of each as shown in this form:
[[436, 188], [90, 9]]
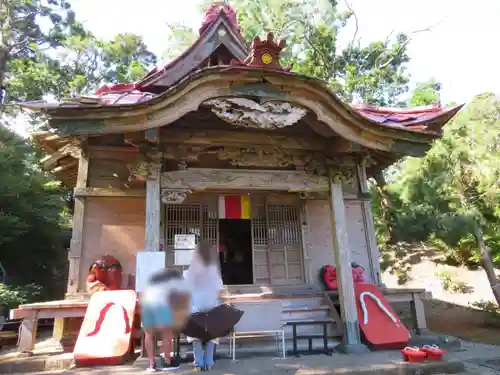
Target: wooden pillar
[[76, 245], [371, 239], [153, 207], [418, 314], [306, 250], [352, 342]]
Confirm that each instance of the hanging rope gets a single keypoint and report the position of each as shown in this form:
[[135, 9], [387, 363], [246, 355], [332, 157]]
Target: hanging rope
[[379, 304]]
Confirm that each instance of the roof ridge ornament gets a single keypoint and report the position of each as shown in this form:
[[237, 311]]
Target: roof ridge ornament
[[217, 9], [265, 54]]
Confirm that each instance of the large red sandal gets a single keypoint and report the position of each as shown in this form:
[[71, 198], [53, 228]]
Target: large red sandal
[[413, 354], [434, 353]]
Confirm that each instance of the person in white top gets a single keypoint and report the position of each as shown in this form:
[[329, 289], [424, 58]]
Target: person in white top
[[205, 282]]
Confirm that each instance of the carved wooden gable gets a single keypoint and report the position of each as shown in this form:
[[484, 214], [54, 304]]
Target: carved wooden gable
[[247, 113]]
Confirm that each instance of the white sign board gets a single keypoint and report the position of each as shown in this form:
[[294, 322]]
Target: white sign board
[[184, 242], [147, 264], [183, 257]]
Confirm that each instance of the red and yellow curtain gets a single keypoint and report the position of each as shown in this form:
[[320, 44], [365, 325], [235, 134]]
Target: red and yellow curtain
[[234, 207]]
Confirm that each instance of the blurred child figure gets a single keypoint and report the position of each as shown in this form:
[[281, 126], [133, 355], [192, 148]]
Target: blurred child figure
[[165, 307], [205, 282]]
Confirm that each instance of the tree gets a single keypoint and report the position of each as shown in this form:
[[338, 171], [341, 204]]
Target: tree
[[425, 93], [33, 233], [179, 38], [374, 74], [22, 37], [457, 183], [85, 63], [65, 61]]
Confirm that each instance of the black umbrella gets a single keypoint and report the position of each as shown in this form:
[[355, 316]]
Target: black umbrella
[[214, 323]]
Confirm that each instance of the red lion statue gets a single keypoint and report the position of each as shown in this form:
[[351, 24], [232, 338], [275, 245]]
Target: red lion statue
[[104, 274], [214, 11]]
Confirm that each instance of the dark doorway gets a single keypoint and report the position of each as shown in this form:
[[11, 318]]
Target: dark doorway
[[235, 240]]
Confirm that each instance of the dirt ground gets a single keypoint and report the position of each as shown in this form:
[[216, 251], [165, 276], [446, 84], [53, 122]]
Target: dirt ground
[[449, 312], [461, 322]]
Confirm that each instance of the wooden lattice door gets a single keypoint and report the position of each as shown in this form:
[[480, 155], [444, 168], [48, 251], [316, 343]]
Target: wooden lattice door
[[198, 218], [277, 244]]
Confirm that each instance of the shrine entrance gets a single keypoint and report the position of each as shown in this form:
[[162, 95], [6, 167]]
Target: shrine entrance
[[235, 244], [265, 249]]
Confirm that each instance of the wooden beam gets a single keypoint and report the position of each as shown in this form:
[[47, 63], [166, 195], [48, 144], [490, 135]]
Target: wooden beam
[[62, 168], [76, 246], [109, 192], [113, 152], [342, 251], [200, 179], [70, 149], [210, 137]]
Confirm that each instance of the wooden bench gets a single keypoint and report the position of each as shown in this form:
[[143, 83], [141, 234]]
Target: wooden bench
[[310, 337], [32, 313]]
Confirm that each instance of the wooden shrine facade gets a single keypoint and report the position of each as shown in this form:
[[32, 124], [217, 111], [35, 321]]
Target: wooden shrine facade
[[148, 160]]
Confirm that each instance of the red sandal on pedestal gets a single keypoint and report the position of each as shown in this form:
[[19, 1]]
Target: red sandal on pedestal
[[413, 354], [434, 352]]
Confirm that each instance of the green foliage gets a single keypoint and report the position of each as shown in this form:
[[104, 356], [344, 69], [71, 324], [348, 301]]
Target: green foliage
[[451, 284], [33, 235], [449, 199], [11, 297], [44, 51], [425, 93], [374, 74]]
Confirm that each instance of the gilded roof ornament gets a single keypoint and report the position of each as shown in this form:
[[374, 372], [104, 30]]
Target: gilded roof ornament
[[265, 54]]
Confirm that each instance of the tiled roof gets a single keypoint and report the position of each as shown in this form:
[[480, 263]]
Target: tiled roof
[[411, 118], [415, 119]]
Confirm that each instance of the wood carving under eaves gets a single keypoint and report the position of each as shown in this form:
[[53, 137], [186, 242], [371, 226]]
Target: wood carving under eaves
[[342, 175], [250, 114], [257, 157], [147, 169], [174, 196], [199, 179], [264, 54]]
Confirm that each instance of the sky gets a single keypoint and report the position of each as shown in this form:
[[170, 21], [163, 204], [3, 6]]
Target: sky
[[460, 51]]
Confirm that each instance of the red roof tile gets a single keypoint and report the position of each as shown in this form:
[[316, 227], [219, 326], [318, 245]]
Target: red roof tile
[[411, 118]]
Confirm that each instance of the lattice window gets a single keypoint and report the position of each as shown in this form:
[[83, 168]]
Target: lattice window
[[259, 225], [210, 223], [182, 219], [283, 222], [198, 219]]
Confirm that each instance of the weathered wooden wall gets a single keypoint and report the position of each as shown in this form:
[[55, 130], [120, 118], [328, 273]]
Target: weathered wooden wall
[[357, 237], [113, 226], [320, 237]]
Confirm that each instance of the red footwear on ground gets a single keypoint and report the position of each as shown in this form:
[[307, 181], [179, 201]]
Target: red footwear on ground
[[413, 354], [434, 353]]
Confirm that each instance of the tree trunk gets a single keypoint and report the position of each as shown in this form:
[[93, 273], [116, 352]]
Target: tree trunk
[[487, 262], [4, 54]]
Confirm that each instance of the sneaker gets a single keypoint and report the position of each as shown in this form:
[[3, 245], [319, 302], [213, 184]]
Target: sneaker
[[151, 369], [173, 365]]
